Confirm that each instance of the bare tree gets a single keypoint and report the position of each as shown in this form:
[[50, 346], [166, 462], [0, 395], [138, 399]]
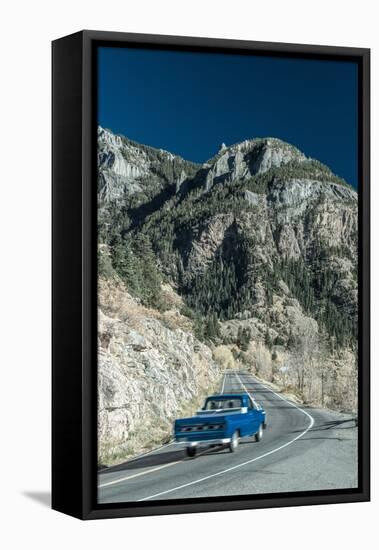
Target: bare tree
[[308, 362]]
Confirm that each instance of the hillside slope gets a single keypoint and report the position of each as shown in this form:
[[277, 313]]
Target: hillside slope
[[151, 368]]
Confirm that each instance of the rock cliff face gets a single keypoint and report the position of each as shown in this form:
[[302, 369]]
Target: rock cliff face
[[127, 168], [260, 243], [151, 368], [249, 158]]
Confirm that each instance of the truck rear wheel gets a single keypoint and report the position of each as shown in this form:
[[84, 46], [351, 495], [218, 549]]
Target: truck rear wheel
[[191, 451], [234, 442], [259, 434]]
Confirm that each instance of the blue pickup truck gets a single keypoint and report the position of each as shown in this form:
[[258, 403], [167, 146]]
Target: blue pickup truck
[[223, 419]]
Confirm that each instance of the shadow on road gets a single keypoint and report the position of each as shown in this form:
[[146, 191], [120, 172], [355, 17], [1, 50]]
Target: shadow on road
[[346, 424], [165, 458], [337, 424], [147, 461]]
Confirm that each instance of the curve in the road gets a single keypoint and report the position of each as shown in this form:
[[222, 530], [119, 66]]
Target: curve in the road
[[325, 458], [242, 464]]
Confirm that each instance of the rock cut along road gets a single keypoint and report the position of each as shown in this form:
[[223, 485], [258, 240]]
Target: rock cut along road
[[302, 449]]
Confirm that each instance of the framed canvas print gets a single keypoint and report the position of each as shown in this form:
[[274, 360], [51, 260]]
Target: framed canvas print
[[210, 274]]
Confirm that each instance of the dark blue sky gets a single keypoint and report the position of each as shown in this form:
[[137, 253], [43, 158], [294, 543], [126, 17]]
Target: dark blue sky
[[189, 103]]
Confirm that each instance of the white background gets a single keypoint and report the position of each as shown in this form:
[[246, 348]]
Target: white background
[[27, 29]]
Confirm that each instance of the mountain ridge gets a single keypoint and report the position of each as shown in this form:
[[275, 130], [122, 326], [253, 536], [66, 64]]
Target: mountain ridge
[[263, 185], [280, 151]]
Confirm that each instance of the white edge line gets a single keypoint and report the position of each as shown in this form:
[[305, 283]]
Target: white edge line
[[145, 472], [247, 461], [284, 399], [223, 383], [245, 388], [109, 470], [115, 481]]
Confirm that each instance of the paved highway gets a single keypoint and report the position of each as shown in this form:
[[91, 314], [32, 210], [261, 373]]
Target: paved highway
[[303, 448]]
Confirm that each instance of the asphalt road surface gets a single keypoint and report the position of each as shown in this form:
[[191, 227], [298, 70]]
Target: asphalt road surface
[[303, 448]]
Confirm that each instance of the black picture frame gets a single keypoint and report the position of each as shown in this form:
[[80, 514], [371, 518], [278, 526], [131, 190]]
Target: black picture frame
[[74, 294]]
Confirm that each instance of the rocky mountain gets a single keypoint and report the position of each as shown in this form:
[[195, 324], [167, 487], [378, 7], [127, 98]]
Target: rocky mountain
[[127, 168], [260, 243]]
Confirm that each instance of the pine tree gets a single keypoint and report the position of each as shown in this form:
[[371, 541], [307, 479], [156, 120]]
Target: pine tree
[[243, 338], [268, 340]]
